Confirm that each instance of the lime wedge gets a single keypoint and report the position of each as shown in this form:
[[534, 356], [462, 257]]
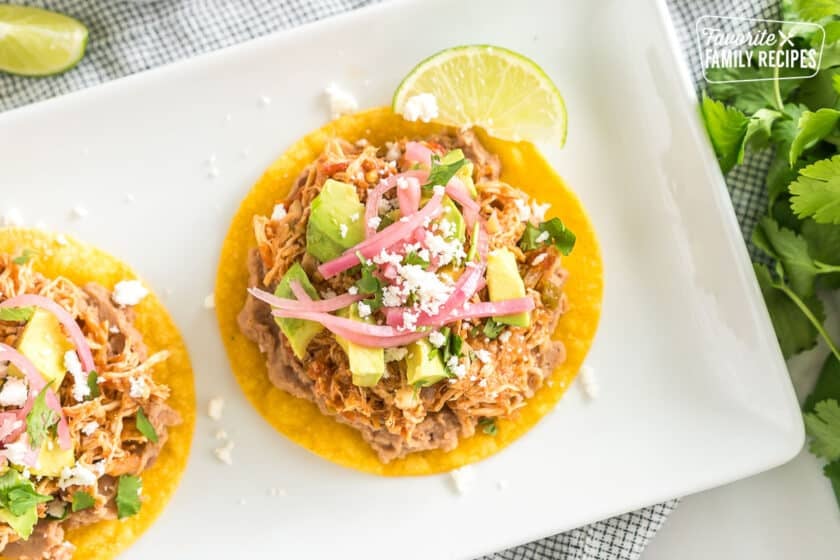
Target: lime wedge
[[502, 91], [36, 42]]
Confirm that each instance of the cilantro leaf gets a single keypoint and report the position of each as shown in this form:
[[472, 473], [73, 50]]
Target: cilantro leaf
[[19, 502], [552, 232], [832, 472], [823, 425], [815, 10], [82, 501], [488, 426], [145, 426], [16, 314], [813, 127], [24, 257], [794, 331], [413, 258], [749, 96], [441, 173], [824, 246], [827, 386], [128, 495], [727, 129], [492, 328], [40, 419], [452, 347], [785, 129], [779, 176], [369, 283], [93, 385], [835, 83], [816, 193], [760, 128], [818, 92], [791, 251], [23, 498]]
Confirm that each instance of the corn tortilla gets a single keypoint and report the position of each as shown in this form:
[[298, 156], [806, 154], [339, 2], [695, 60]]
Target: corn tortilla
[[300, 420]]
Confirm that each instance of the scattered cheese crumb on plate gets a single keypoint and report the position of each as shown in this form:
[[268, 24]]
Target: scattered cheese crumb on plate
[[588, 383], [215, 407], [463, 479]]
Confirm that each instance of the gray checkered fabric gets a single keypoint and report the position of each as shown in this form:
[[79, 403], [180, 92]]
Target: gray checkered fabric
[[131, 37]]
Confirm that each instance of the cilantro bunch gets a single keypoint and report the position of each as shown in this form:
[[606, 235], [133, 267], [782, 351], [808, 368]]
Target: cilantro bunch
[[799, 120]]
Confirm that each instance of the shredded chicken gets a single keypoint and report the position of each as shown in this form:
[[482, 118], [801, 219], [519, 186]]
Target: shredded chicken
[[393, 416], [103, 430]]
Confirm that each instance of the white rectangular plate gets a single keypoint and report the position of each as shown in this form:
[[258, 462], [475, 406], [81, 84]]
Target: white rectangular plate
[[694, 390]]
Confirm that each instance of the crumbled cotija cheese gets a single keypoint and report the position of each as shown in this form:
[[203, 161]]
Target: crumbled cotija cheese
[[215, 407], [421, 107], [341, 102], [74, 367], [463, 479], [129, 292]]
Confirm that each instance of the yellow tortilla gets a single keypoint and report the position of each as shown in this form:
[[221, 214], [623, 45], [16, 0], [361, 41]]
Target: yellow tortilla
[[300, 420], [81, 264]]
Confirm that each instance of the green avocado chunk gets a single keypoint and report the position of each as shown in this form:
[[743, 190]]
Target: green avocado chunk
[[335, 221], [299, 332], [366, 364], [465, 174], [423, 364], [504, 282]]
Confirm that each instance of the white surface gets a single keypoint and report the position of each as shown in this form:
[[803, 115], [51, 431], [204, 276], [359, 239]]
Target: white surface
[[685, 353], [789, 512]]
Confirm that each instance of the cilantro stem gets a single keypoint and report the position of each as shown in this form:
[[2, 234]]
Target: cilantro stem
[[833, 139], [814, 321], [824, 268], [777, 90]]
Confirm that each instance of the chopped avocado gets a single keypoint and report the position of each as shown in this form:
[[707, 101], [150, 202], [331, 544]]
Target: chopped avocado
[[465, 173], [423, 364], [299, 332], [366, 364], [43, 341], [331, 228], [452, 215], [52, 459], [504, 282]]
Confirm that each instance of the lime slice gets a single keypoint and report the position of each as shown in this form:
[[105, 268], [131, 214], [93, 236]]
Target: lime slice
[[505, 93], [35, 42]]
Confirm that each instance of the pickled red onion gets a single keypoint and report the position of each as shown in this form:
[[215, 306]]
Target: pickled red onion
[[372, 203], [321, 305], [415, 151], [408, 196], [363, 334], [482, 309], [67, 321]]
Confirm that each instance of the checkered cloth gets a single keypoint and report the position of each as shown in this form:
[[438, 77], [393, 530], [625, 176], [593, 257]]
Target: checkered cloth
[[130, 37]]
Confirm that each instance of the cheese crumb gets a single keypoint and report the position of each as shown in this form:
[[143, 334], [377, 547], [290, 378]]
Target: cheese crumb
[[538, 259], [13, 217], [542, 238], [77, 475], [215, 407], [395, 354], [90, 427], [138, 389], [61, 239], [422, 107], [74, 366], [374, 222], [352, 290], [504, 337], [14, 392], [364, 309], [341, 102], [278, 213], [437, 339], [588, 382], [224, 453], [502, 484], [209, 301], [79, 212], [393, 152], [463, 479], [342, 228], [483, 355], [129, 292], [221, 435]]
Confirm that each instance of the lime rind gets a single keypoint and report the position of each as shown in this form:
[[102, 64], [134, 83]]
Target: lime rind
[[457, 78]]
